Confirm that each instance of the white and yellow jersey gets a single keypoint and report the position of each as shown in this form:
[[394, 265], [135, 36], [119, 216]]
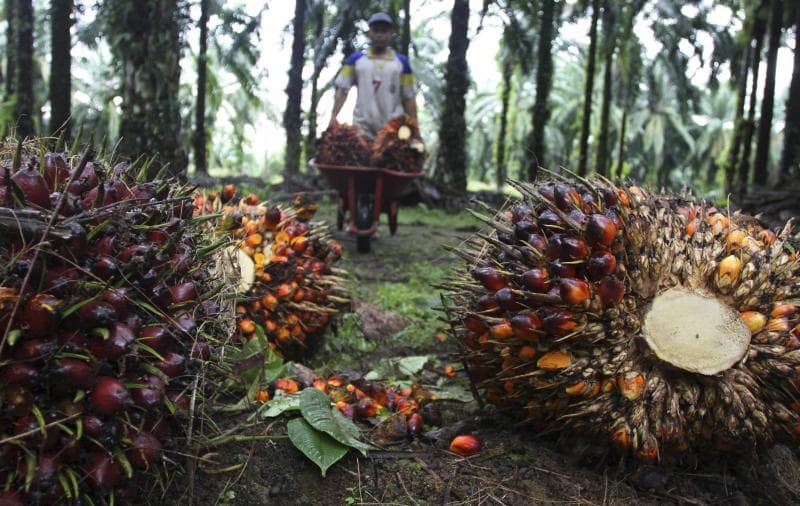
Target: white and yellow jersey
[[383, 81]]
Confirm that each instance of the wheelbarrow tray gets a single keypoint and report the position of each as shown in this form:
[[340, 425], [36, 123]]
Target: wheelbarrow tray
[[384, 184]]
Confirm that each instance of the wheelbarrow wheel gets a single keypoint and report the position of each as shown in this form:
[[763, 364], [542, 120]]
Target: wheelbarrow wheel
[[393, 207], [363, 243], [363, 219], [340, 214]]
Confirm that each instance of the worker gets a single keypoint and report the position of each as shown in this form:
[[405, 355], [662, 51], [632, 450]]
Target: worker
[[383, 77]]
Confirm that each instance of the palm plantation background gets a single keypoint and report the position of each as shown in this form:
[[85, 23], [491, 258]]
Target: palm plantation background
[[669, 93]]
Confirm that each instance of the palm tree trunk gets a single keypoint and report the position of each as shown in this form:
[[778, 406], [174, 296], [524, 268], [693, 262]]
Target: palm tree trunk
[[760, 167], [200, 135], [500, 174], [583, 157], [11, 48], [540, 113], [405, 38], [24, 88], [311, 135], [630, 83], [743, 170], [148, 56], [292, 120], [621, 150], [60, 65], [451, 172], [609, 40], [738, 125], [791, 132]]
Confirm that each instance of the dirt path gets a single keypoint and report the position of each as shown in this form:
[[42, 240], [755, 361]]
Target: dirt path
[[393, 317]]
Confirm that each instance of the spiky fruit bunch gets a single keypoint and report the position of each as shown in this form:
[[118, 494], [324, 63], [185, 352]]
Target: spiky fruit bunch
[[290, 291], [344, 144], [649, 321], [102, 292], [397, 146]]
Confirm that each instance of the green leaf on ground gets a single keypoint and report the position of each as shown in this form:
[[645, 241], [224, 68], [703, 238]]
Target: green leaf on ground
[[411, 366], [404, 367], [320, 448], [315, 406], [452, 392], [278, 406]]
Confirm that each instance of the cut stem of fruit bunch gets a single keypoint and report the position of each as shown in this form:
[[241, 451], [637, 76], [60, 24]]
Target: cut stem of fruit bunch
[[110, 289], [286, 287], [695, 333], [656, 323]]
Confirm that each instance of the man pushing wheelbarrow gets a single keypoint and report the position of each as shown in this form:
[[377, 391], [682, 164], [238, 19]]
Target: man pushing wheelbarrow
[[387, 153]]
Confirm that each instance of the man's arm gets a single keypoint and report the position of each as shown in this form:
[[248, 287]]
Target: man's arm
[[410, 107], [338, 103]]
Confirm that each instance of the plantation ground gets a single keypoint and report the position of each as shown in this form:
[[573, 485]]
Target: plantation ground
[[393, 317]]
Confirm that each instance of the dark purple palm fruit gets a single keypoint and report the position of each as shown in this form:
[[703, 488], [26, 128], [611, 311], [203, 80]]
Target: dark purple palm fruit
[[149, 392], [109, 396], [20, 373], [33, 186], [97, 313], [73, 373], [84, 182], [44, 486], [30, 426], [56, 171], [103, 471], [17, 400], [40, 314], [173, 364], [112, 191], [144, 451], [60, 280], [13, 497], [112, 343], [157, 338]]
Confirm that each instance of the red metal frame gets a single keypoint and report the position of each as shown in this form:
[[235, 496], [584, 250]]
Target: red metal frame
[[386, 185]]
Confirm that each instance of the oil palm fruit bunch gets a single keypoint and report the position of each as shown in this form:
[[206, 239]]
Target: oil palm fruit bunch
[[289, 289], [344, 144], [657, 324], [103, 290], [398, 146]]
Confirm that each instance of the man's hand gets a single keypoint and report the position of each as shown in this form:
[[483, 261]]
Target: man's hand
[[338, 103]]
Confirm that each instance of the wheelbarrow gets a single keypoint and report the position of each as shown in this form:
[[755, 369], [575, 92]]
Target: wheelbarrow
[[365, 192]]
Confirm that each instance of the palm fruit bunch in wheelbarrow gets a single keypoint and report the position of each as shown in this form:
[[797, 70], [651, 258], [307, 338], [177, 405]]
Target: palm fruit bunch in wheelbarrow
[[398, 146], [288, 289], [105, 305], [344, 144], [655, 323]]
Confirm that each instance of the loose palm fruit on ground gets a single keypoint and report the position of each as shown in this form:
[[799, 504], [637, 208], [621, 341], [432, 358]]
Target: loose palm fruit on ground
[[399, 412], [466, 445], [103, 288], [656, 323], [288, 288]]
